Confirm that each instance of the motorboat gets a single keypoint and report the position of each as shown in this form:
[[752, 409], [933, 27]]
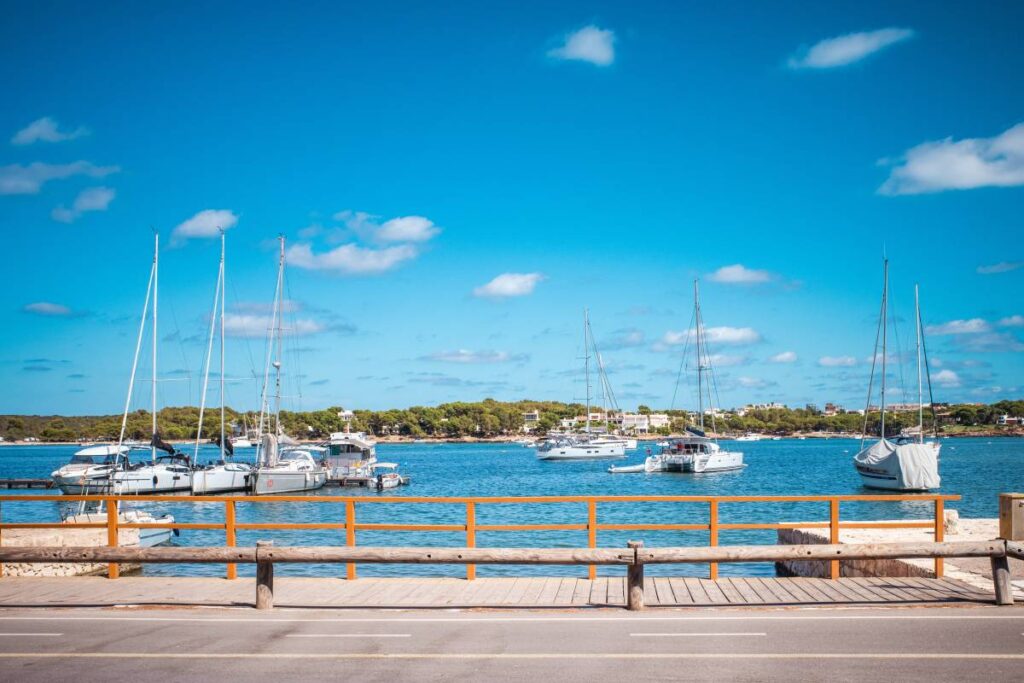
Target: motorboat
[[909, 463], [749, 436], [385, 476], [148, 537], [291, 470], [580, 448], [89, 470], [349, 454], [165, 474], [241, 442]]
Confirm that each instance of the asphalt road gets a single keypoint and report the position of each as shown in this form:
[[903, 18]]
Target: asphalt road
[[963, 643]]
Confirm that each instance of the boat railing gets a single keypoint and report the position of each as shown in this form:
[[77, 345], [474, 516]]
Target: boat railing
[[470, 527]]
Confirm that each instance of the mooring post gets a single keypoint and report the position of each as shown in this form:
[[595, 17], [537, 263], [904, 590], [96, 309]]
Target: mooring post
[[635, 579], [1001, 580], [264, 576]]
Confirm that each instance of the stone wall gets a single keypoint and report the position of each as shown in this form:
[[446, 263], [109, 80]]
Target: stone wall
[[820, 569], [63, 538]]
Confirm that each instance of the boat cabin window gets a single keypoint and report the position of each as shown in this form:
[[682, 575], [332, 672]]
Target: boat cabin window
[[92, 459]]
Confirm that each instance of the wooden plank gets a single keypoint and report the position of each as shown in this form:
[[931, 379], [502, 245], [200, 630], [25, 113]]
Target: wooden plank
[[731, 594], [852, 587], [880, 586], [650, 594], [565, 591], [899, 593], [599, 591], [518, 590], [864, 588], [531, 595], [715, 593], [617, 590], [775, 589], [679, 589], [826, 588], [697, 592], [750, 597], [663, 589], [926, 587], [549, 592], [581, 595], [763, 593]]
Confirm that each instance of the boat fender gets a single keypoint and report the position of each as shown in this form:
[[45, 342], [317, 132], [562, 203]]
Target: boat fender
[[380, 482], [177, 532]]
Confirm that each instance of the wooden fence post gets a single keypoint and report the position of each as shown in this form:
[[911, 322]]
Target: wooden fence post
[[1001, 580], [113, 569], [833, 534], [229, 534], [592, 534], [350, 536], [635, 579], [264, 577], [940, 533], [470, 537]]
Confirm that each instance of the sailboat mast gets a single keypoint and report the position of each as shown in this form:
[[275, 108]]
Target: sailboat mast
[[920, 388], [586, 360], [223, 294], [277, 321], [885, 327], [156, 280], [700, 367]]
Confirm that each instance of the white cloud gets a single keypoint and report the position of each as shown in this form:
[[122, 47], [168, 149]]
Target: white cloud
[[472, 357], [45, 130], [946, 378], [48, 309], [960, 165], [714, 335], [1012, 321], [257, 326], [740, 275], [847, 49], [784, 357], [752, 382], [623, 339], [589, 44], [724, 360], [837, 361], [20, 179], [90, 199], [1001, 267], [351, 259], [509, 285], [401, 229], [205, 224], [991, 342], [407, 229], [972, 326]]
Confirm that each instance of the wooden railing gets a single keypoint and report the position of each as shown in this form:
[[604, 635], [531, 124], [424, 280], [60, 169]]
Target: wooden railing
[[634, 557], [230, 526]]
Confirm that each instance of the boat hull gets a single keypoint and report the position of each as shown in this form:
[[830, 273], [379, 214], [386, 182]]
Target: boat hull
[[218, 479], [267, 482], [78, 485], [584, 452], [150, 480]]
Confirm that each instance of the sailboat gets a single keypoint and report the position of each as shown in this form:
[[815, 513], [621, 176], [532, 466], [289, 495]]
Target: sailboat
[[282, 465], [225, 474], [164, 473], [908, 464], [696, 453], [584, 446]]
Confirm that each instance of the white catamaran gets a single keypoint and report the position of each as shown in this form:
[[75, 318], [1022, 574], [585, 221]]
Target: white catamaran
[[225, 474], [906, 464], [282, 465], [695, 453], [164, 473], [586, 446]]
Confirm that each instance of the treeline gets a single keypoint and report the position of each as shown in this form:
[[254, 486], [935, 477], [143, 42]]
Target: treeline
[[483, 419]]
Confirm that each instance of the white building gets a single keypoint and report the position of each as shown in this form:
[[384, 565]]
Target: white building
[[530, 420]]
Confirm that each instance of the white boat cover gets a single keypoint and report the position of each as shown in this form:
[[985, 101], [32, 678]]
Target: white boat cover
[[915, 465], [268, 454]]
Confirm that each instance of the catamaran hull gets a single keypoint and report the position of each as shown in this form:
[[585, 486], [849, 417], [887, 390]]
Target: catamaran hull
[[287, 482], [220, 480], [722, 461]]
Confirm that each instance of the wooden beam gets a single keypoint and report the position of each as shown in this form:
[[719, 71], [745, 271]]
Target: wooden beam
[[635, 580], [133, 554], [1001, 580], [420, 555], [864, 551], [1015, 550], [264, 577]]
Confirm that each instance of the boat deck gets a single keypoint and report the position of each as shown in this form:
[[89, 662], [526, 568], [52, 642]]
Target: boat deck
[[523, 592]]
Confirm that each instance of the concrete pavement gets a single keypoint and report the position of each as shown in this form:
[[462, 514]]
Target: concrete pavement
[[962, 643]]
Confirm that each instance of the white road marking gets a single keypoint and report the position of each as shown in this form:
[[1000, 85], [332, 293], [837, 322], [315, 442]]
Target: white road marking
[[693, 635], [27, 635], [507, 655], [348, 635], [256, 619]]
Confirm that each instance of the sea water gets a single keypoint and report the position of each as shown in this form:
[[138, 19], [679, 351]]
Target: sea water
[[978, 469]]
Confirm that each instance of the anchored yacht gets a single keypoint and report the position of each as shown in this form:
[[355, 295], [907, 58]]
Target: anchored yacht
[[89, 470]]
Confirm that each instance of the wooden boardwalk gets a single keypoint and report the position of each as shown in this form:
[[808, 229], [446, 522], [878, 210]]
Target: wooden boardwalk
[[526, 593]]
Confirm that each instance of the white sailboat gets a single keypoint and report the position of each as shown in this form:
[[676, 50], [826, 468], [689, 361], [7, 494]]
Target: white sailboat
[[908, 464], [582, 446], [695, 453], [166, 473], [282, 465], [225, 474]]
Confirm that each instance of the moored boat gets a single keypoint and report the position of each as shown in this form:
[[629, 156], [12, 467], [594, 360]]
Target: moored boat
[[89, 470]]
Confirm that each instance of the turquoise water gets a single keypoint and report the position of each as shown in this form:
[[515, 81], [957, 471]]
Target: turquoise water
[[977, 469]]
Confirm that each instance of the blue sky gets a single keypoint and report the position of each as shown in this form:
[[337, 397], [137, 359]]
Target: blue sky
[[456, 182]]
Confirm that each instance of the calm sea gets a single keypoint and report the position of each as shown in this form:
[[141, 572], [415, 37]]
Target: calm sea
[[977, 469]]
